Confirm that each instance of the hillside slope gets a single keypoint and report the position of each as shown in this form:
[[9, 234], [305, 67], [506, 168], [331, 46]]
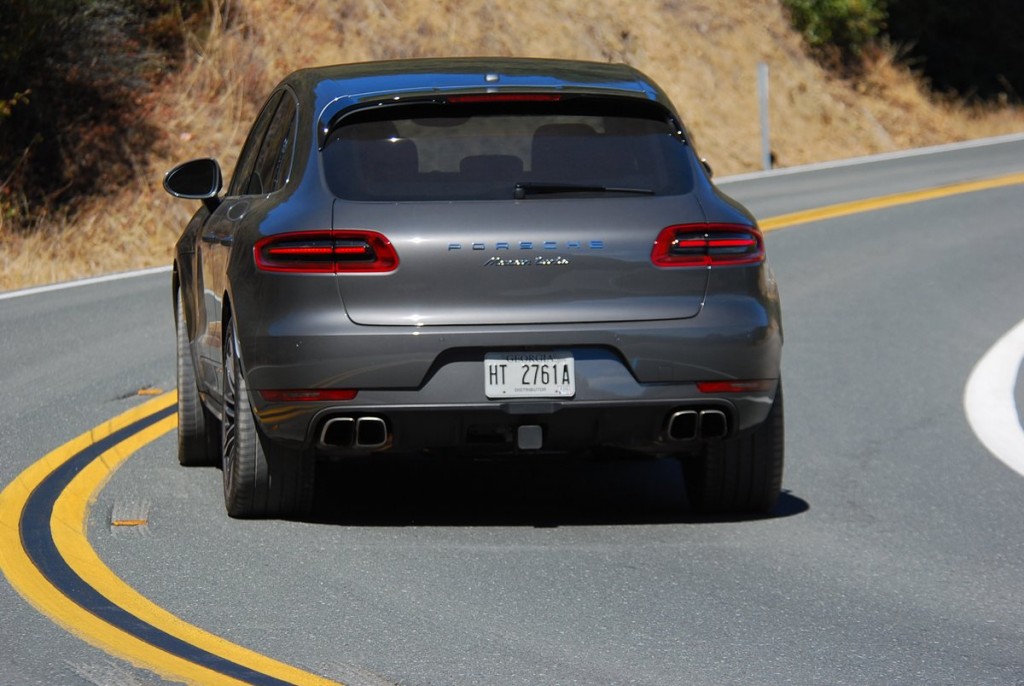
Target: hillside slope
[[703, 52]]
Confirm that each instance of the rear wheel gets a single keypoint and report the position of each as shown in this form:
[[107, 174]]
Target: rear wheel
[[743, 474], [198, 433], [257, 483]]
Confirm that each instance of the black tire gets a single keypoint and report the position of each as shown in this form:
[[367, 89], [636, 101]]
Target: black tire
[[257, 483], [740, 475], [198, 432]]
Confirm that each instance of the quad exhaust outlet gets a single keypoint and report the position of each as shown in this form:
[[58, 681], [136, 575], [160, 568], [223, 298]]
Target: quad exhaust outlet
[[687, 425], [359, 433]]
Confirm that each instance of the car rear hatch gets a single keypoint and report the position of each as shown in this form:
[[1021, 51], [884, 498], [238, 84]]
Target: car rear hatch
[[521, 262], [517, 208]]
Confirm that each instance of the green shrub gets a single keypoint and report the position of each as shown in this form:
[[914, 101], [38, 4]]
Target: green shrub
[[838, 29]]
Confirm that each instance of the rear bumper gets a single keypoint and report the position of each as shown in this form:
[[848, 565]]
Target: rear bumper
[[563, 426], [450, 412], [426, 384]]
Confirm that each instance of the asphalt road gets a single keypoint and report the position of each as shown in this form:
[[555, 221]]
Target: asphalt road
[[895, 556]]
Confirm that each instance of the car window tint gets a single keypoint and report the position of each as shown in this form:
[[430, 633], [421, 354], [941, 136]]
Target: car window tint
[[247, 158], [427, 156], [270, 171]]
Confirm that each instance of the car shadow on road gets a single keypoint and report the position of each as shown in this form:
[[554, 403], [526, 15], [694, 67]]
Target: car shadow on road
[[416, 491]]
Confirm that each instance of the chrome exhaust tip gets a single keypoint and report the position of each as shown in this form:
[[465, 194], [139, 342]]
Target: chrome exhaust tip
[[371, 432], [713, 424], [338, 432], [682, 425]]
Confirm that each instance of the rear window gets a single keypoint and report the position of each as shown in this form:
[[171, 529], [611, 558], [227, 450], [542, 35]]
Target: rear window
[[483, 152]]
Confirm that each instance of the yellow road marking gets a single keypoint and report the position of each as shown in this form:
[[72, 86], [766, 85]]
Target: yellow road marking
[[68, 527], [857, 206]]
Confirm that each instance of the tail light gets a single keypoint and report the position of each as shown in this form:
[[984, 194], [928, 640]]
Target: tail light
[[326, 252], [708, 245]]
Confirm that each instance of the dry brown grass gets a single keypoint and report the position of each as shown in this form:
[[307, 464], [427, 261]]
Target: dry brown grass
[[703, 52]]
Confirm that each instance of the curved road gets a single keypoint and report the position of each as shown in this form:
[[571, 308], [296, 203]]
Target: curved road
[[896, 555]]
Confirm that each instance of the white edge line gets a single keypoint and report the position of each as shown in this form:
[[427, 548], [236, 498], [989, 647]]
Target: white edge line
[[989, 399], [867, 159], [83, 282]]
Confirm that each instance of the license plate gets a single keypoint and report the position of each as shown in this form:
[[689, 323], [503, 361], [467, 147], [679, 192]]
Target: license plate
[[530, 375]]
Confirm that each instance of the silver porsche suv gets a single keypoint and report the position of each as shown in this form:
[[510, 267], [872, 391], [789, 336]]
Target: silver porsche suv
[[473, 257]]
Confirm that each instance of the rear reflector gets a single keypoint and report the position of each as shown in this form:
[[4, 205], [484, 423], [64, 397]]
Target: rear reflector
[[310, 395], [759, 386], [707, 245], [326, 252]]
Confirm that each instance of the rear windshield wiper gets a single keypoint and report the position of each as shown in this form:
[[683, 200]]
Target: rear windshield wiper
[[524, 189]]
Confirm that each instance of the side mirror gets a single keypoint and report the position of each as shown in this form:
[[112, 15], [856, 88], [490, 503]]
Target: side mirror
[[196, 180], [707, 167]]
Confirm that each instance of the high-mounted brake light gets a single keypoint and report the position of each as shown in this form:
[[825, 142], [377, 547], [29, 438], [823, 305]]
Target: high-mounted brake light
[[504, 97], [707, 245], [326, 252]]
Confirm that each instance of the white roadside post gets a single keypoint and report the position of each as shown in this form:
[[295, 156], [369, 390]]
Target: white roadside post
[[762, 96]]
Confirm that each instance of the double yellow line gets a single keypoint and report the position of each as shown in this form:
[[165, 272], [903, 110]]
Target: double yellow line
[[165, 644]]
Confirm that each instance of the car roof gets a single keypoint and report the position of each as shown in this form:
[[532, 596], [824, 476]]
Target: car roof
[[336, 88]]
